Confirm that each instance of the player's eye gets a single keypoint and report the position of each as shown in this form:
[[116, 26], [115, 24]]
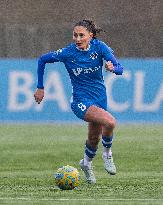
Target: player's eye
[[75, 35], [81, 35]]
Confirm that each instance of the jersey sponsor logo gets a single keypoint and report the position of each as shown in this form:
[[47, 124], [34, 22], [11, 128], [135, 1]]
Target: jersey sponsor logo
[[78, 71]]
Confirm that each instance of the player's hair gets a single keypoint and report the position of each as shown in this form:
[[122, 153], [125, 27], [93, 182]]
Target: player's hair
[[90, 26]]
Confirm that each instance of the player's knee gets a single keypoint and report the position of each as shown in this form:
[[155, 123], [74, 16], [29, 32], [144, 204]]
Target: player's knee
[[111, 123]]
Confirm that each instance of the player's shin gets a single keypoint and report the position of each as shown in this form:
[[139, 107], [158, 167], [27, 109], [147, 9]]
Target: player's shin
[[89, 154], [107, 155], [107, 144]]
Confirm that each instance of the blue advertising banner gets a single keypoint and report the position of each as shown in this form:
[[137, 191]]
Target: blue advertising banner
[[136, 96]]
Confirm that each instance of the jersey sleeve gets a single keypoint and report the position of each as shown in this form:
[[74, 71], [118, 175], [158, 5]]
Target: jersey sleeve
[[51, 57], [107, 54]]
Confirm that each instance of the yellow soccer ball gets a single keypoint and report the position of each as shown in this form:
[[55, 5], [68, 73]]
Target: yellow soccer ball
[[67, 177]]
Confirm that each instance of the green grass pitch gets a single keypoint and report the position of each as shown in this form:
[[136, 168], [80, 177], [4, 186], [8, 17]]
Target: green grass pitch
[[31, 154]]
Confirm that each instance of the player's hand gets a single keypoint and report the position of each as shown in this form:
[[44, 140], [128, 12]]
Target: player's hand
[[109, 66], [39, 95]]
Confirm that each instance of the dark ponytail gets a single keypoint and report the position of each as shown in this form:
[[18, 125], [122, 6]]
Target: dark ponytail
[[90, 26]]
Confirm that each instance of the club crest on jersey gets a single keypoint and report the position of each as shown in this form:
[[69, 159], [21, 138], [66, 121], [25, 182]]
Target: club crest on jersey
[[93, 55]]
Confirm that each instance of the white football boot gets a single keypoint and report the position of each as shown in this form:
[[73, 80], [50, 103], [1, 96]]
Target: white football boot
[[88, 171], [109, 165]]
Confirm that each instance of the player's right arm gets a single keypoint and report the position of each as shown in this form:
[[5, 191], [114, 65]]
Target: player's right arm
[[39, 95], [46, 58]]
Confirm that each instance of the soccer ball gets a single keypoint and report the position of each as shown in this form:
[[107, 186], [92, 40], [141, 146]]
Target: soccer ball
[[67, 177]]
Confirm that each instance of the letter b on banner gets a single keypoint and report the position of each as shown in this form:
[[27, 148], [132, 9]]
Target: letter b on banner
[[20, 83]]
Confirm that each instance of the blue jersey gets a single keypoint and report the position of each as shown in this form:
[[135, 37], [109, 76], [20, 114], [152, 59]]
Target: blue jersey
[[84, 68]]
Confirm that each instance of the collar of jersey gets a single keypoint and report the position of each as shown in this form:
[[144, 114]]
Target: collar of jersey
[[85, 49]]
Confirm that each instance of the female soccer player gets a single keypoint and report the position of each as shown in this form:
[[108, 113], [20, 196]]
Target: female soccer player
[[83, 60]]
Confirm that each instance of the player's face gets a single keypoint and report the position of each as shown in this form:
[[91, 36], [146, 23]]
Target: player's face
[[82, 37]]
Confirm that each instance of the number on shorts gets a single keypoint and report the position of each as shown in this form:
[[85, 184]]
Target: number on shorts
[[82, 106]]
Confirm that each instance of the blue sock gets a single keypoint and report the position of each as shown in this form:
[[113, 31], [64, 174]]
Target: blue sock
[[107, 141], [90, 151], [107, 144]]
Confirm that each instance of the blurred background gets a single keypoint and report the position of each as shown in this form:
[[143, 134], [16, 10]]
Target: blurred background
[[30, 28]]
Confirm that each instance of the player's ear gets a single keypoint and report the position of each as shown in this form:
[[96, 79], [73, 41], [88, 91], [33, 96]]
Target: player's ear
[[91, 35]]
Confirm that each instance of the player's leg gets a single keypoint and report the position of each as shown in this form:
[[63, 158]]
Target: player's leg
[[98, 115], [91, 145], [107, 141]]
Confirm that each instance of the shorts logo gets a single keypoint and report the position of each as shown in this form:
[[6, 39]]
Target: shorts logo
[[82, 106]]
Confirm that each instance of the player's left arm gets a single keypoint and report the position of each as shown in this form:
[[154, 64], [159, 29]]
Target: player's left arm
[[111, 64]]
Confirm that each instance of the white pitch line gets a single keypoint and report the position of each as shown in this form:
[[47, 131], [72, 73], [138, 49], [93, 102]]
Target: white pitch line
[[82, 199]]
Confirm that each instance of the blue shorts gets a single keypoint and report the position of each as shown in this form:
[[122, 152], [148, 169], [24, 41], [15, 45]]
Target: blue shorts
[[80, 107]]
